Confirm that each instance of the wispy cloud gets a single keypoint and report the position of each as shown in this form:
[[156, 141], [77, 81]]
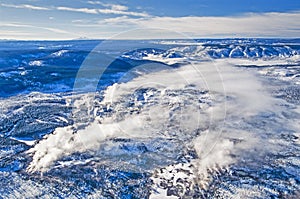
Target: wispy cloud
[[10, 33], [14, 25], [112, 6], [119, 12], [18, 25], [24, 6], [119, 7], [83, 10], [107, 8], [111, 19], [114, 10], [271, 24], [55, 30]]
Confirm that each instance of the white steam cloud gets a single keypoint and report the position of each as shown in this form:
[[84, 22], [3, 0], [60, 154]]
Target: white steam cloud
[[174, 101]]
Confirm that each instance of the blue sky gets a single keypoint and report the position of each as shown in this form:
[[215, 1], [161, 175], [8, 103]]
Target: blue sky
[[69, 19]]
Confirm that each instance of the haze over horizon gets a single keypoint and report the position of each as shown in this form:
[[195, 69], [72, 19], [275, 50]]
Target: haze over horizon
[[64, 20]]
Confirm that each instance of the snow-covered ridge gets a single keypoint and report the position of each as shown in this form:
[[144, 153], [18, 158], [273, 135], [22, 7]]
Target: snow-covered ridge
[[249, 51], [181, 53]]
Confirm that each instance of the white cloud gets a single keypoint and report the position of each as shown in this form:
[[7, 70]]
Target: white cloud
[[55, 30], [109, 9], [272, 24], [97, 3], [83, 10], [17, 25], [120, 12], [117, 20], [9, 33], [25, 6], [248, 25], [116, 9], [80, 21], [14, 25], [119, 7], [112, 6]]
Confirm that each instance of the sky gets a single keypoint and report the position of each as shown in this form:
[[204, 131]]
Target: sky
[[103, 19]]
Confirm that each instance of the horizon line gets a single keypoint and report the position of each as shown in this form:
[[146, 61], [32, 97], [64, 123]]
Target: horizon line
[[129, 39]]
